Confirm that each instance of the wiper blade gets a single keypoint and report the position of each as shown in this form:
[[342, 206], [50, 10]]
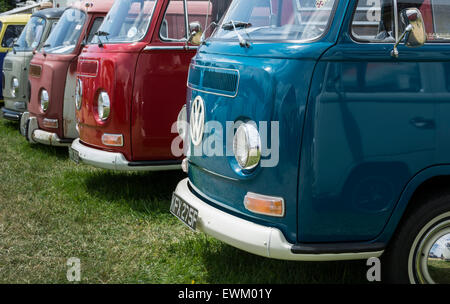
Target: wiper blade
[[101, 33], [234, 25]]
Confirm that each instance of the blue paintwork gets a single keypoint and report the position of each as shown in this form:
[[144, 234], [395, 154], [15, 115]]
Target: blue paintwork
[[359, 131], [2, 58]]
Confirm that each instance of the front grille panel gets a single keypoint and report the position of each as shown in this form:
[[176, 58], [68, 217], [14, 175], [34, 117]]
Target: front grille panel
[[35, 70], [214, 80], [7, 66]]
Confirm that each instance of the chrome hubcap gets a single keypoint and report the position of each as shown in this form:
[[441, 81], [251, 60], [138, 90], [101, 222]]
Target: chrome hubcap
[[432, 257]]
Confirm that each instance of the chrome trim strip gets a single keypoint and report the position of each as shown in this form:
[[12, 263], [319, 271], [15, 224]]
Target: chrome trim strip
[[212, 173], [170, 48], [213, 93]]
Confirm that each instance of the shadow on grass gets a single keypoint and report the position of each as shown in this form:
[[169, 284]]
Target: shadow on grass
[[226, 264], [61, 153], [11, 125], [147, 192]]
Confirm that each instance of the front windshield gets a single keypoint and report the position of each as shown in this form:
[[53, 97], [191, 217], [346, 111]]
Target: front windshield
[[31, 36], [276, 20], [64, 38], [127, 21]]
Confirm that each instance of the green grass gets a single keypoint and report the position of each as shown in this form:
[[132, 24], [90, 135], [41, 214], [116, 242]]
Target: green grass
[[439, 271], [120, 227]]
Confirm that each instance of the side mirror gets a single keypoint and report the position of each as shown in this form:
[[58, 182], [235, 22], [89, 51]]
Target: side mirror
[[414, 34], [196, 32]]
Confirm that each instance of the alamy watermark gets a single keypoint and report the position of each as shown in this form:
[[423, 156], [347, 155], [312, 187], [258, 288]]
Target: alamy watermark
[[74, 271], [213, 138], [374, 272]]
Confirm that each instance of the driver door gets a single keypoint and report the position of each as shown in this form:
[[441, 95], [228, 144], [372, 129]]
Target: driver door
[[161, 77]]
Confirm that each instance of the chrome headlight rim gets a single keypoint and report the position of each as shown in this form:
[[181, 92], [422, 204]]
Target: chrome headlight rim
[[44, 99], [79, 94], [103, 106], [247, 146], [14, 87]]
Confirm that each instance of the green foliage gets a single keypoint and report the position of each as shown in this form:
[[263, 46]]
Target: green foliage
[[5, 5]]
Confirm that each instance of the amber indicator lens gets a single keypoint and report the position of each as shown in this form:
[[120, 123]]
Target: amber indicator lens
[[263, 204], [50, 123], [114, 140]]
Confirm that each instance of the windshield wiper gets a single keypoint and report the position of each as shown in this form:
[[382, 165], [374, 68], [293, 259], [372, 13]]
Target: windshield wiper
[[101, 34], [234, 25]]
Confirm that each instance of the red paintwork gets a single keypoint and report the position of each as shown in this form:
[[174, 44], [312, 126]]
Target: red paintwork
[[55, 68], [427, 15], [147, 90]]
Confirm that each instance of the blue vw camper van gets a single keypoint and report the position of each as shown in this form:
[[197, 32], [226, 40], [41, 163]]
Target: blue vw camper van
[[319, 130]]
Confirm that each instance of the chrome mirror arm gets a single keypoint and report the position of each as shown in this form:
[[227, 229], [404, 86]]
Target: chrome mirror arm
[[395, 53]]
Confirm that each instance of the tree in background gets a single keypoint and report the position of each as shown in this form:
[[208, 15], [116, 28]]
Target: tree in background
[[6, 5]]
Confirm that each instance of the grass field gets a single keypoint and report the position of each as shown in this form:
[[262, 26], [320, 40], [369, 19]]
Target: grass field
[[119, 226], [439, 270]]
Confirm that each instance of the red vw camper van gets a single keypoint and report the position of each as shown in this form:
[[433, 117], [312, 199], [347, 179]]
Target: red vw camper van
[[132, 82], [51, 111]]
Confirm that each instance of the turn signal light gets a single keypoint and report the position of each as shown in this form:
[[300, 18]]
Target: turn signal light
[[266, 205], [113, 140], [50, 123]]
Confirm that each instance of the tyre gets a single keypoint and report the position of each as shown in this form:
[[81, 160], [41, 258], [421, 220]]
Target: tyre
[[419, 253]]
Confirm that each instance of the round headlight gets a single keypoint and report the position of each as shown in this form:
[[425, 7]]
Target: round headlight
[[182, 122], [14, 87], [104, 106], [78, 94], [45, 100], [247, 146]]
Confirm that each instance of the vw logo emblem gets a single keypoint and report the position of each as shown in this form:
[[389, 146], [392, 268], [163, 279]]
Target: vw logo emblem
[[197, 123]]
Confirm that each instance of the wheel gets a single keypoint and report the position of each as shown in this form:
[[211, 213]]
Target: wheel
[[419, 253]]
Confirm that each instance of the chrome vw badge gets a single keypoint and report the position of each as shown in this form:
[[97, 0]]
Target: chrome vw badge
[[197, 123]]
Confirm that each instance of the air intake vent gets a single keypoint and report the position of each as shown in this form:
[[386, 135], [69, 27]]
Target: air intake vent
[[214, 80], [7, 65], [88, 68], [35, 70]]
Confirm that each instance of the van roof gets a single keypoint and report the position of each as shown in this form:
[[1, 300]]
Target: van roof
[[49, 13], [18, 18], [94, 6]]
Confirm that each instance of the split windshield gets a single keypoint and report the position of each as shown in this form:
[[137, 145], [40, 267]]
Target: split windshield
[[276, 20], [31, 36], [127, 21], [64, 38]]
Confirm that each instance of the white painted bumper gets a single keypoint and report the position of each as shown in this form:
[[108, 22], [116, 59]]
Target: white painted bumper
[[248, 236], [111, 160]]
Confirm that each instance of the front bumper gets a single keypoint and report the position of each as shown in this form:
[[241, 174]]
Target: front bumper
[[113, 160], [11, 114], [30, 129], [254, 238]]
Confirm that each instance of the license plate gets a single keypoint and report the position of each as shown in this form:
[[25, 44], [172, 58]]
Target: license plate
[[184, 212], [74, 155]]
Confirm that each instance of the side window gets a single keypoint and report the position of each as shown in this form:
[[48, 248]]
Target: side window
[[12, 32], [205, 12], [373, 21], [94, 28], [173, 27], [53, 26], [436, 17]]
